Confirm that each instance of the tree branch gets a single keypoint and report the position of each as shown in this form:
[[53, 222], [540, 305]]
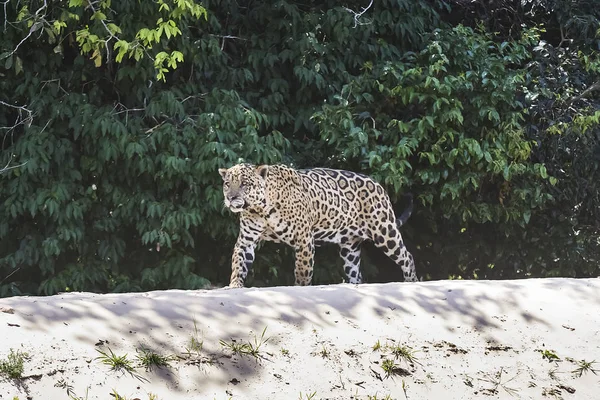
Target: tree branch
[[227, 37], [595, 86], [5, 3], [35, 27], [21, 108], [563, 39], [357, 15], [7, 168]]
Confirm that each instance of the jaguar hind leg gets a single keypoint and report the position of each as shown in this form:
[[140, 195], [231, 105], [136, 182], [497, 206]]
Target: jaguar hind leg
[[390, 241], [350, 253]]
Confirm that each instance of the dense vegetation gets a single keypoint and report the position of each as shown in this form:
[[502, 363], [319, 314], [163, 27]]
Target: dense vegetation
[[115, 116]]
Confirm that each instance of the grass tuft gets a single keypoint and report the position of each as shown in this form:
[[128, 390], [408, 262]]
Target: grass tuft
[[195, 343], [12, 366], [374, 397], [497, 380], [116, 363], [70, 392], [584, 367], [149, 359], [389, 366], [247, 348], [377, 346], [405, 353]]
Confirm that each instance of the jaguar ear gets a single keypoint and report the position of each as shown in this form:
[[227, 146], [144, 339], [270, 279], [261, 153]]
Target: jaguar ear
[[262, 171], [223, 172]]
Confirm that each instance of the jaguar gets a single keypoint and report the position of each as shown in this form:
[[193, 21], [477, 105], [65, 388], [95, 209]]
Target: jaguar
[[304, 208]]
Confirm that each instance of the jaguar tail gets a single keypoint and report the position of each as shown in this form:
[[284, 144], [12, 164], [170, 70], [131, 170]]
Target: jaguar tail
[[407, 211]]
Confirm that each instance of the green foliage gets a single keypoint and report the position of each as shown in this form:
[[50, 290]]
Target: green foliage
[[421, 139], [451, 123], [115, 116]]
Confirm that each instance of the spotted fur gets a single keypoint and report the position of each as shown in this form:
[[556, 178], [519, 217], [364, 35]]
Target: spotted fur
[[304, 208]]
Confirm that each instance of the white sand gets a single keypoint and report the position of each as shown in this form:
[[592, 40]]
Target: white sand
[[464, 332]]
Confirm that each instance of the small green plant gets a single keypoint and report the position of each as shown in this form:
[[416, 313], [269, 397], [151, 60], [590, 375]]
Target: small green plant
[[497, 380], [13, 365], [234, 346], [149, 359], [377, 346], [584, 367], [70, 392], [285, 352], [374, 397], [549, 355], [308, 396], [116, 363], [195, 343], [117, 396], [403, 353], [258, 343], [390, 367], [248, 348], [324, 352]]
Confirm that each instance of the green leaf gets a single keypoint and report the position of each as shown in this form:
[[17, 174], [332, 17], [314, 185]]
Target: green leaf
[[527, 216], [18, 65]]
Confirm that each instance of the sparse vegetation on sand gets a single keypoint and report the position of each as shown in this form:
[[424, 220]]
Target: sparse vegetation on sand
[[252, 349]]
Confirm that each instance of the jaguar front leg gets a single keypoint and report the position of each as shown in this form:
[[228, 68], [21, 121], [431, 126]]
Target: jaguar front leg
[[305, 253], [243, 252]]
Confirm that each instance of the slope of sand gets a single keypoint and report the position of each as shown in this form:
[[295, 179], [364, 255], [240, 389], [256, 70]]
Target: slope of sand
[[471, 340]]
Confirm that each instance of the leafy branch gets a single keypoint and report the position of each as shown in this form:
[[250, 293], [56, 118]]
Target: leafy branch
[[111, 40]]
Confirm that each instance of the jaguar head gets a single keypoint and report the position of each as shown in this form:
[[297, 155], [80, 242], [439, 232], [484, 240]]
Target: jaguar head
[[244, 187]]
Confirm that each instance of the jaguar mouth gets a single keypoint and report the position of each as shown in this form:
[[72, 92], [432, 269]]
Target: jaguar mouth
[[236, 205]]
